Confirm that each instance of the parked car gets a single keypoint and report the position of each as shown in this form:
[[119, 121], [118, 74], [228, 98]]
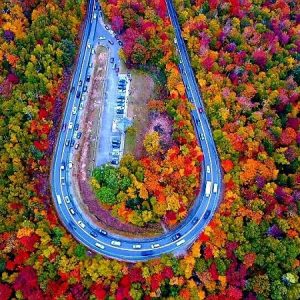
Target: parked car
[[208, 169], [85, 88], [72, 143], [195, 220], [76, 126], [176, 236], [116, 243], [67, 143], [81, 224], [120, 43], [72, 211], [76, 146], [70, 164], [103, 232], [94, 234], [88, 78], [206, 215], [79, 135], [114, 162], [106, 27], [111, 59]]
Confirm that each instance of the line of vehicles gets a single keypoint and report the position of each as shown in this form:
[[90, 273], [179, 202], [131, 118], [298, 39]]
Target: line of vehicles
[[76, 222]]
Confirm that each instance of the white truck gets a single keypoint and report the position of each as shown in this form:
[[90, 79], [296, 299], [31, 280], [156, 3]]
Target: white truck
[[215, 188], [207, 188], [58, 199]]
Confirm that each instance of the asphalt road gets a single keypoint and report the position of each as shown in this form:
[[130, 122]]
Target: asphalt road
[[79, 224]]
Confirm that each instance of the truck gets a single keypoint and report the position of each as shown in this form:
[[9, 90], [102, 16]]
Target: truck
[[208, 188], [215, 188], [58, 199]]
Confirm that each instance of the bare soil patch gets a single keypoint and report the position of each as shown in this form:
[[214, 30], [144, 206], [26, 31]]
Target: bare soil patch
[[141, 90]]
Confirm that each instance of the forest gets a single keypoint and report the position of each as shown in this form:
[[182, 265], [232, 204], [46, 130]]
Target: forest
[[246, 59]]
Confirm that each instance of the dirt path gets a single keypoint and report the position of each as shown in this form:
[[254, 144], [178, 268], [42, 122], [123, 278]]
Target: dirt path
[[84, 158]]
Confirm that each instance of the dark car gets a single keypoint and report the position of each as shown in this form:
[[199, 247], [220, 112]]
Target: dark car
[[176, 236], [76, 126], [147, 253], [116, 146], [103, 232], [120, 111], [200, 110], [106, 27], [195, 220], [78, 94], [206, 215], [64, 127], [88, 78], [94, 234], [114, 162], [73, 88], [72, 143], [80, 82], [112, 60], [121, 97], [120, 43], [79, 135], [111, 42]]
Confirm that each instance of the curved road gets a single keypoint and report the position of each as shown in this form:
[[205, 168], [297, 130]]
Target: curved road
[[79, 224]]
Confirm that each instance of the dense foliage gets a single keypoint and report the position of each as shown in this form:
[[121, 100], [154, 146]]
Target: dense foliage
[[246, 58]]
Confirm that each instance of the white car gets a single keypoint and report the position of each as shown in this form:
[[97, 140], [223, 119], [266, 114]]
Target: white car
[[81, 224], [70, 165], [81, 105], [102, 38], [208, 169], [202, 136], [116, 243], [89, 45], [67, 199], [99, 246], [74, 110], [72, 211], [137, 246], [153, 246], [95, 16], [70, 125], [180, 242]]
